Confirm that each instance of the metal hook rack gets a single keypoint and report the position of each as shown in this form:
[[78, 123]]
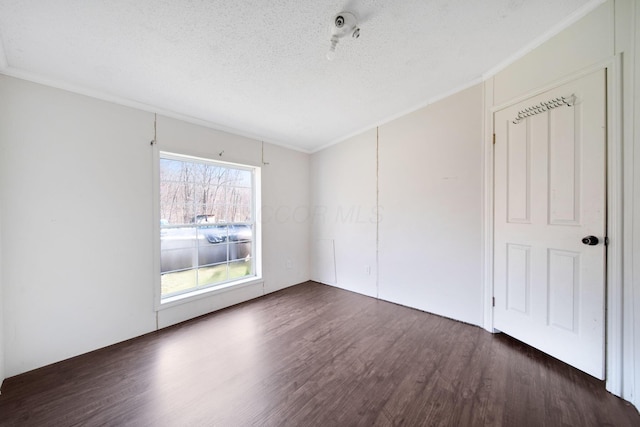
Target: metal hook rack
[[569, 101]]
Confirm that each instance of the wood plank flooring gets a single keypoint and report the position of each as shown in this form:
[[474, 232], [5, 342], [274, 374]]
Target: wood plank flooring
[[313, 355]]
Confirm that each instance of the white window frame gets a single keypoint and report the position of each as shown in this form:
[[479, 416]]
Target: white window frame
[[206, 290]]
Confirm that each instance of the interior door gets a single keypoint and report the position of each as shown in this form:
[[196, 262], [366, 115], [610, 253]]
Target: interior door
[[550, 195]]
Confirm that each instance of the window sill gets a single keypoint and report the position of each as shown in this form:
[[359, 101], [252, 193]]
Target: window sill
[[207, 292]]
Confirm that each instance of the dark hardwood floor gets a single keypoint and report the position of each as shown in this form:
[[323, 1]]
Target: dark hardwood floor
[[313, 355]]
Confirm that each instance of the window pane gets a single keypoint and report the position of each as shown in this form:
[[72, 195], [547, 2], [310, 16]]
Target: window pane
[[205, 199], [220, 212], [238, 196], [201, 242], [238, 204], [176, 202], [239, 251], [240, 233], [177, 249], [170, 170], [243, 179], [213, 233], [212, 253], [181, 203], [239, 213], [240, 269], [212, 274], [179, 281]]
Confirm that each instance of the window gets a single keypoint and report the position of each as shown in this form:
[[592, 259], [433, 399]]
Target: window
[[207, 223]]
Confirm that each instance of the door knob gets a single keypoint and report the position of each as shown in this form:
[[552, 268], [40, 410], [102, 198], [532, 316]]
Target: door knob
[[590, 240]]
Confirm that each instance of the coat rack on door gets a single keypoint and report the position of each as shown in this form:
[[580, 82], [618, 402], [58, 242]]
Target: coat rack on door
[[569, 101]]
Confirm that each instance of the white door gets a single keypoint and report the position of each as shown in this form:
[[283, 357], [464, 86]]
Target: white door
[[550, 186]]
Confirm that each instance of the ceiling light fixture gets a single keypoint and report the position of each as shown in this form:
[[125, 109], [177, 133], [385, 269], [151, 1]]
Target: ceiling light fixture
[[344, 23]]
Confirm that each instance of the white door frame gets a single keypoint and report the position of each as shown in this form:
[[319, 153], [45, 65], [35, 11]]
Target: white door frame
[[614, 291]]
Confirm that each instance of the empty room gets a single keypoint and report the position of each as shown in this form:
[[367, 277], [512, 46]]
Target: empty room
[[334, 213]]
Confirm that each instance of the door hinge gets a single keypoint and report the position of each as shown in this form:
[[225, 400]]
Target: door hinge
[[606, 241], [493, 301], [494, 139]]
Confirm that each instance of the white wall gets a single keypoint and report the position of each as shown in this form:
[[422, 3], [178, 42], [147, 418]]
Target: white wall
[[77, 221], [431, 199], [427, 172], [343, 191], [587, 42], [583, 44], [285, 218], [634, 280], [75, 231]]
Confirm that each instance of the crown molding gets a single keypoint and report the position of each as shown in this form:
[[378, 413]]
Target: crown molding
[[103, 96]]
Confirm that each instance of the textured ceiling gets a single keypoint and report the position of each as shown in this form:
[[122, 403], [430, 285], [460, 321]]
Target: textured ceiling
[[259, 68]]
